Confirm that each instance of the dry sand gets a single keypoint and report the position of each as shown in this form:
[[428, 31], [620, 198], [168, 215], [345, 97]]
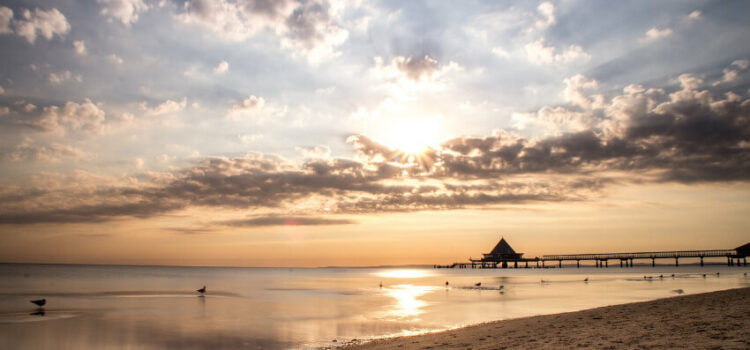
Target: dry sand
[[717, 320]]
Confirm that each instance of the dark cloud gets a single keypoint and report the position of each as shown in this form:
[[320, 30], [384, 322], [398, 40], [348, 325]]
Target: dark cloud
[[274, 220], [417, 68]]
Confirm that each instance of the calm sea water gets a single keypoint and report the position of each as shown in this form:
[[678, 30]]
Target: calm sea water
[[117, 307]]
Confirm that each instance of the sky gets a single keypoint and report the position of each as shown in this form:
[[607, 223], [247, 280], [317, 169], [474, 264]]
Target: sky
[[320, 133]]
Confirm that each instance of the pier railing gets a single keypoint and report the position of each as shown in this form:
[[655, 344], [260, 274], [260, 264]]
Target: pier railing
[[645, 255]]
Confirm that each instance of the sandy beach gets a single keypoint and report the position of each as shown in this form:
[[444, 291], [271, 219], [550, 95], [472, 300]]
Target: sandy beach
[[717, 320]]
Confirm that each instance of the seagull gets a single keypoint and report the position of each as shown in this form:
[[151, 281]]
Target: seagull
[[40, 302], [478, 284], [202, 290]]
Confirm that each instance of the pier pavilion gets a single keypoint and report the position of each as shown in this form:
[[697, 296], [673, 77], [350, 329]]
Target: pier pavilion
[[501, 255]]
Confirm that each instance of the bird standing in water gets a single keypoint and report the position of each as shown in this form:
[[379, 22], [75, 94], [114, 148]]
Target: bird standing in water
[[40, 302], [202, 290]]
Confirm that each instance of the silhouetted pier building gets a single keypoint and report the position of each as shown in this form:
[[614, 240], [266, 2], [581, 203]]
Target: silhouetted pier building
[[503, 255]]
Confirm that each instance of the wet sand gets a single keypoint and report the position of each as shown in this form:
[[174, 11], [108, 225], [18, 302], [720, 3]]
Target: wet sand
[[718, 320]]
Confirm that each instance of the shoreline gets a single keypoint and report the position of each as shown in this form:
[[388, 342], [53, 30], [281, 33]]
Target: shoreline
[[715, 320]]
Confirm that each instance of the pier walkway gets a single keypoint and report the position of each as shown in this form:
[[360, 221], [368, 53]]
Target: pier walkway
[[504, 256]]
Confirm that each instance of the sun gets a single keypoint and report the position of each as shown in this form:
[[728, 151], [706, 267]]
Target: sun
[[413, 136]]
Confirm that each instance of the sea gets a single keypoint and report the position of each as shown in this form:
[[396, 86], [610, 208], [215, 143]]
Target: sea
[[158, 307]]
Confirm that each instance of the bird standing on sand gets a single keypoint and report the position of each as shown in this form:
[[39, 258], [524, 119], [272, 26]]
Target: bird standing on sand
[[381, 284], [501, 287], [586, 279], [202, 290], [478, 284], [40, 302], [704, 275], [446, 284]]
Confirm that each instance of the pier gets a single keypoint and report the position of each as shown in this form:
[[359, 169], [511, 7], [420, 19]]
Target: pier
[[503, 256]]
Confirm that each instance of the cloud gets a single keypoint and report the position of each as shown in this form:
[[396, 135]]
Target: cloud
[[539, 54], [221, 68], [742, 64], [80, 47], [307, 27], [53, 153], [286, 221], [125, 11], [30, 24], [413, 72], [573, 92], [2, 91], [86, 116], [645, 135], [655, 33], [547, 10], [166, 107], [695, 15], [115, 59], [318, 151], [61, 77], [501, 52]]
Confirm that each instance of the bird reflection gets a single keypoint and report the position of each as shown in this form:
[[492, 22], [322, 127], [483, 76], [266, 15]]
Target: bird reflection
[[39, 312]]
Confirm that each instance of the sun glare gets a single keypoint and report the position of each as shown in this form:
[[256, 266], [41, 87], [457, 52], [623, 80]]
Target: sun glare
[[404, 273], [413, 136]]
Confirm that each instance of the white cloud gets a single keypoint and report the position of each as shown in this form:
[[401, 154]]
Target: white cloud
[[695, 15], [84, 117], [547, 10], [221, 68], [80, 47], [166, 107], [54, 153], [654, 34], [538, 53], [573, 92], [44, 23], [741, 64], [61, 77], [309, 27], [501, 52], [115, 59], [319, 151], [731, 74], [249, 138], [6, 17], [125, 11], [251, 104]]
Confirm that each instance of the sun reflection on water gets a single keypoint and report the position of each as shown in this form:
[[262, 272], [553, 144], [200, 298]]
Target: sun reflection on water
[[408, 304]]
